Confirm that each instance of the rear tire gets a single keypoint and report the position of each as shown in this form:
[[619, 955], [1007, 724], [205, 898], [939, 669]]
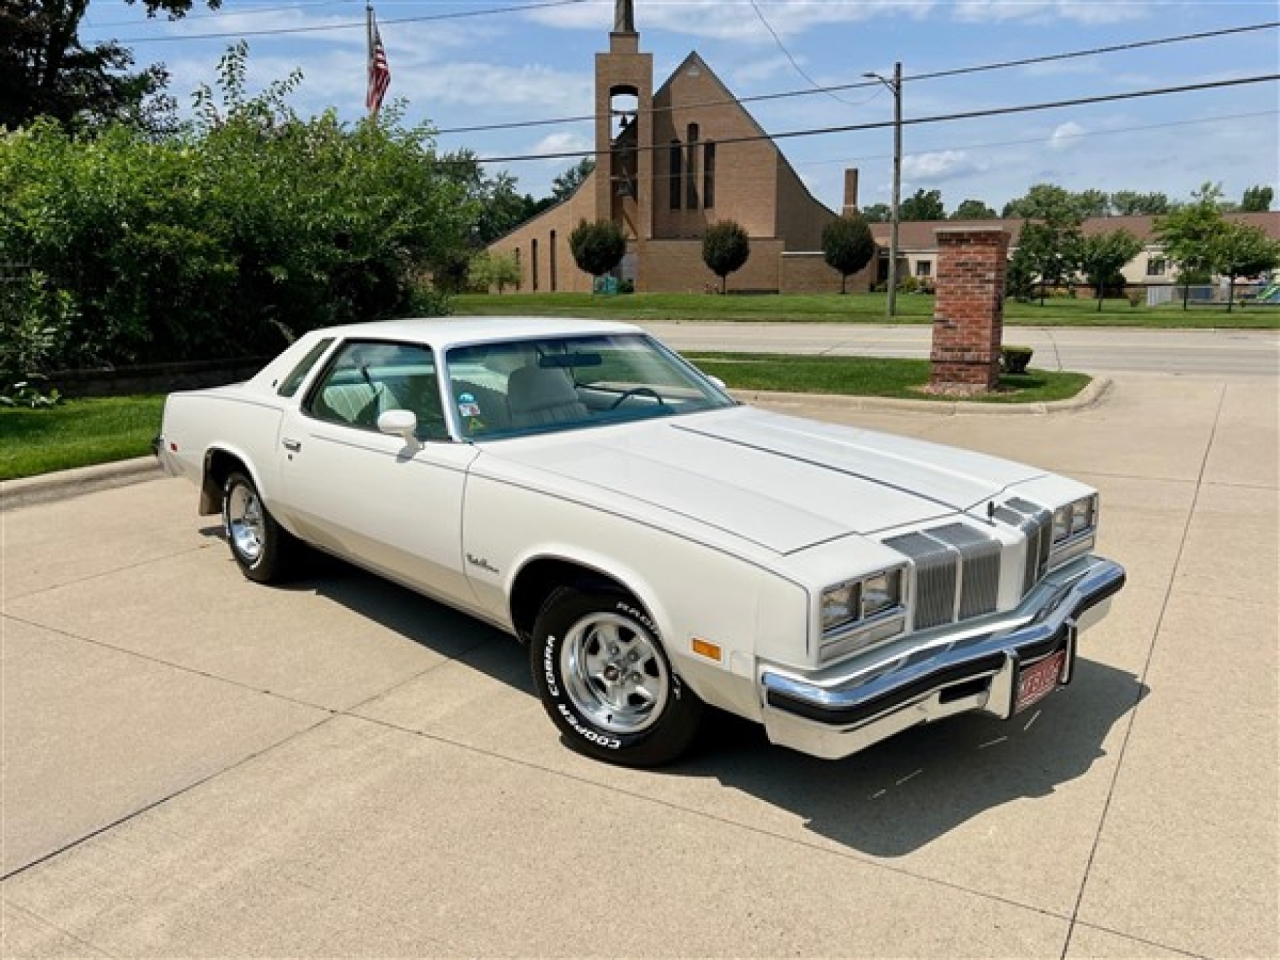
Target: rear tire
[[605, 681], [261, 547]]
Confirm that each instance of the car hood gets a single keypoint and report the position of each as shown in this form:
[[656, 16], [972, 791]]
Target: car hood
[[781, 482]]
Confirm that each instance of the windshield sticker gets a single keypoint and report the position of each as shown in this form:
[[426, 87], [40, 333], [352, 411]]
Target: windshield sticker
[[466, 398], [469, 408]]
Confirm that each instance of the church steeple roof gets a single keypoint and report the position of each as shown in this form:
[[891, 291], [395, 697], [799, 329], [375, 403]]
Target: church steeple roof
[[624, 16]]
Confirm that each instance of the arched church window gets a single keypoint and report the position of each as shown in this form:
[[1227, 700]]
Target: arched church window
[[709, 175], [676, 157], [691, 170]]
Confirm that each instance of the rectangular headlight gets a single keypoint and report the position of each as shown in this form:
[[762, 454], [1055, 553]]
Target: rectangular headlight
[[840, 605], [1062, 522], [1082, 515], [881, 592]]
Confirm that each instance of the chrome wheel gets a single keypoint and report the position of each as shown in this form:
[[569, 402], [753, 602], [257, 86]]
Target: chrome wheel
[[244, 522], [614, 673]]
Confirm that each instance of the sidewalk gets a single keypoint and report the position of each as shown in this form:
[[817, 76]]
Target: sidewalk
[[195, 765]]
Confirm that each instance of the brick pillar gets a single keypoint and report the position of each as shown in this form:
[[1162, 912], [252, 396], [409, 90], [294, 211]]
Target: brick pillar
[[968, 313]]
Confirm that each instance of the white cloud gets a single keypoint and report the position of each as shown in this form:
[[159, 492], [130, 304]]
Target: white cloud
[[733, 21], [939, 167], [1088, 12], [1066, 135]]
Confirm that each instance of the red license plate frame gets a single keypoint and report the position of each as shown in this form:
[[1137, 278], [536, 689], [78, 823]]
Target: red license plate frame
[[1039, 680]]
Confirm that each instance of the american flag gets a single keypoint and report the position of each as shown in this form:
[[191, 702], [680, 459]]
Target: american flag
[[379, 72]]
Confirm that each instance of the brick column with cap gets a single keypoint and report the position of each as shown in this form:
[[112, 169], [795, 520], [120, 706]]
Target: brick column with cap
[[968, 312]]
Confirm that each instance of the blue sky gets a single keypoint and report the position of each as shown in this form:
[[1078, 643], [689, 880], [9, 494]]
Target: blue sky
[[537, 64]]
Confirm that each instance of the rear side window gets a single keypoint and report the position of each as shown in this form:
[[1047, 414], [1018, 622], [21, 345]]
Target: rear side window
[[299, 373]]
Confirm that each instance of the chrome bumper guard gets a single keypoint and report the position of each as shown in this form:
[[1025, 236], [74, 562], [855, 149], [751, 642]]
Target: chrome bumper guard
[[830, 715]]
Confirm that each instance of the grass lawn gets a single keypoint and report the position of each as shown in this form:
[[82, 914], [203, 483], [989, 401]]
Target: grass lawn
[[76, 433], [853, 308], [870, 377]]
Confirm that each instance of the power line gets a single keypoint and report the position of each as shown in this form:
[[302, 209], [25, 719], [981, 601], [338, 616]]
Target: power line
[[913, 121], [759, 98], [1084, 135], [352, 25]]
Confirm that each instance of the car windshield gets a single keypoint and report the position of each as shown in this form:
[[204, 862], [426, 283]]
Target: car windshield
[[523, 387]]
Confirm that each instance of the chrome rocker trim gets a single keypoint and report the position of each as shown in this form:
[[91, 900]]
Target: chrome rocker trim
[[838, 711]]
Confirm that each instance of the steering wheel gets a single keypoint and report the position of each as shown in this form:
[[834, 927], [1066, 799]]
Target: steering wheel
[[637, 392]]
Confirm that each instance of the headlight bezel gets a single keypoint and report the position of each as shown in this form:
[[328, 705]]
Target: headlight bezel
[[1075, 527], [855, 613]]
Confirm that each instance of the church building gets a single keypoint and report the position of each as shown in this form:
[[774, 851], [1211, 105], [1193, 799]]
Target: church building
[[670, 163]]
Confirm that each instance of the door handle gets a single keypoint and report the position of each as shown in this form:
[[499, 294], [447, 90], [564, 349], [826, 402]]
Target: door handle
[[292, 446]]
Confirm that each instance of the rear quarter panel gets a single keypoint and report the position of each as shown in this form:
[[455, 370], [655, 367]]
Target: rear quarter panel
[[229, 419]]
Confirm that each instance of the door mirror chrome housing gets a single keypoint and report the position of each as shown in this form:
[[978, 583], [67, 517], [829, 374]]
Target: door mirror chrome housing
[[401, 423]]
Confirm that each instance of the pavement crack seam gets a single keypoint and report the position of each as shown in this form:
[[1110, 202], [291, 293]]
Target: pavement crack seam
[[160, 661], [154, 804], [1146, 668], [722, 821], [109, 573], [46, 922]]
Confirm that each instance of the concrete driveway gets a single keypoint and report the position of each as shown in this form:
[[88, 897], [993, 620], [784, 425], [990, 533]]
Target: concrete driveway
[[194, 765]]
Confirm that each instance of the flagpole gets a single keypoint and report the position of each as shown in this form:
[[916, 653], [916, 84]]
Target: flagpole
[[368, 39]]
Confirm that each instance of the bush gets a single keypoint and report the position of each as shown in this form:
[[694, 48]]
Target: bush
[[230, 238], [597, 247], [1015, 360], [34, 321], [725, 248]]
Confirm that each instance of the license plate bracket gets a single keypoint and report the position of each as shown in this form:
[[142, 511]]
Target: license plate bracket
[[1039, 680]]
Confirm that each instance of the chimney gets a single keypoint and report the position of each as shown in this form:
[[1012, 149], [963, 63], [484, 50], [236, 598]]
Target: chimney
[[850, 192]]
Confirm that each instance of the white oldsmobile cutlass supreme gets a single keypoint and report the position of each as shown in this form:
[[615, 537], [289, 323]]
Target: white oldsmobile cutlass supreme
[[658, 545]]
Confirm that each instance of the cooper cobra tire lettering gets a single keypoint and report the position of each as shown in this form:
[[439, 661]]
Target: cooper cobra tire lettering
[[604, 679]]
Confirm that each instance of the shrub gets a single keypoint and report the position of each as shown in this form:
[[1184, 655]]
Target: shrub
[[847, 246], [1015, 360], [725, 248], [597, 247]]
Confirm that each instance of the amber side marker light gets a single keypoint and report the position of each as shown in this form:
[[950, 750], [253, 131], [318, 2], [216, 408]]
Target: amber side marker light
[[706, 648]]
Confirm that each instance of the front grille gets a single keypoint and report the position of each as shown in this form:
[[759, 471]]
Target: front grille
[[1036, 524], [957, 572]]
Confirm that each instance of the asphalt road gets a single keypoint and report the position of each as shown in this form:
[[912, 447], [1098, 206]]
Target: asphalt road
[[1218, 353]]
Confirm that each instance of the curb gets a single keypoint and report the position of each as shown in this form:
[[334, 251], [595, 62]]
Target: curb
[[67, 483], [1091, 396]]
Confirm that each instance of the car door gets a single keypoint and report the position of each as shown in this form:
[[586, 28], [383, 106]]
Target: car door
[[382, 501]]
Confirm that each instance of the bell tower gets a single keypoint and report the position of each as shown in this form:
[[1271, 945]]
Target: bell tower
[[624, 130]]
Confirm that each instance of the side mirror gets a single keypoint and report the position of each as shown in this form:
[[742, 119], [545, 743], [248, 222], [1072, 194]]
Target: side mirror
[[401, 423], [718, 382]]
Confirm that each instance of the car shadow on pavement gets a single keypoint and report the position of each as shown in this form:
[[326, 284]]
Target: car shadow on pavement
[[909, 790], [886, 801]]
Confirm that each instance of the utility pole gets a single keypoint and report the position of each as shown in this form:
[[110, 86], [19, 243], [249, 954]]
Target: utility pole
[[895, 87]]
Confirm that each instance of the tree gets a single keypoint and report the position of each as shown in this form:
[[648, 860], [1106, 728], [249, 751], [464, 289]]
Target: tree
[[1042, 201], [1092, 203], [1101, 257], [565, 184], [1050, 244], [923, 205], [725, 248], [973, 210], [1257, 200], [878, 213], [251, 227], [1240, 250], [597, 247], [1127, 203], [847, 245], [489, 270], [1189, 233], [45, 70]]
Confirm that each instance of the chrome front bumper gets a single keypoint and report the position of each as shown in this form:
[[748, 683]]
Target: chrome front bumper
[[839, 711]]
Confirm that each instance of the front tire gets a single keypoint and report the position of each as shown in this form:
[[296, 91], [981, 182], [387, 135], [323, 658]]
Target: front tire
[[605, 681], [261, 547]]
